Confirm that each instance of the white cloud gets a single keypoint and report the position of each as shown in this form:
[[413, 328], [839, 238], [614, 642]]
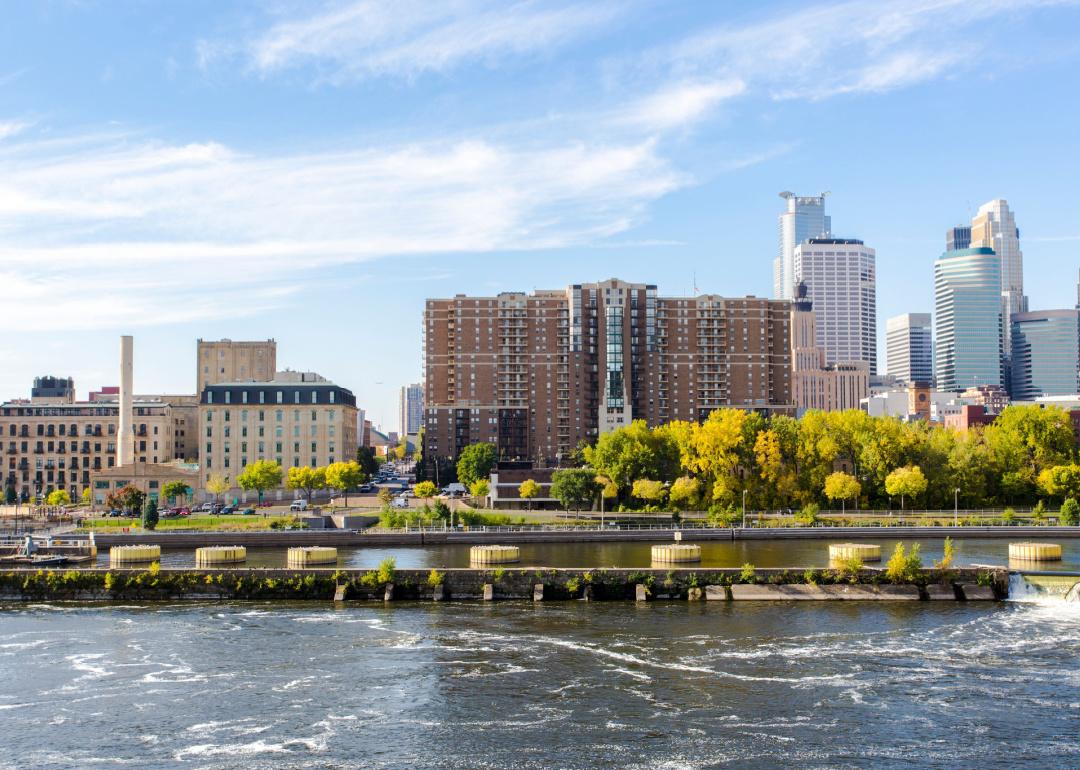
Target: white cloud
[[365, 38], [682, 103], [859, 46], [9, 128], [120, 232]]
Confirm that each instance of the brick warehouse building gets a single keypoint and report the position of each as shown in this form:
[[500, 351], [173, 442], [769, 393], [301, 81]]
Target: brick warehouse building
[[537, 374]]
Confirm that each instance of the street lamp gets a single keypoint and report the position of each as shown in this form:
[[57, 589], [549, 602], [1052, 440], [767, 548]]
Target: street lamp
[[956, 507], [744, 508]]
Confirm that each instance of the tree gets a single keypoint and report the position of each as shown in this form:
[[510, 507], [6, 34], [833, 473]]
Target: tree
[[480, 488], [842, 486], [260, 476], [217, 484], [385, 496], [906, 482], [649, 490], [425, 490], [527, 490], [1061, 481], [574, 488], [128, 499], [402, 448], [475, 462], [634, 452], [1069, 515], [418, 446], [175, 490], [365, 456], [85, 495], [306, 479], [149, 513], [685, 493], [58, 497], [11, 497], [345, 476]]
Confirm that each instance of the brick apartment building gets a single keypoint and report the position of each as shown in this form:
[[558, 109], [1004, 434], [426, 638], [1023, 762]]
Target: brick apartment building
[[537, 374]]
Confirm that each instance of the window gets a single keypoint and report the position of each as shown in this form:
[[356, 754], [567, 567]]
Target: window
[[314, 415], [314, 397], [280, 397]]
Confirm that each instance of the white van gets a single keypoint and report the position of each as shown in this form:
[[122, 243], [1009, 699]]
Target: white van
[[399, 502], [298, 505]]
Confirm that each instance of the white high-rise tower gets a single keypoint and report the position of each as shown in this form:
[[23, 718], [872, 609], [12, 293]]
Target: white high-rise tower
[[804, 219], [995, 227]]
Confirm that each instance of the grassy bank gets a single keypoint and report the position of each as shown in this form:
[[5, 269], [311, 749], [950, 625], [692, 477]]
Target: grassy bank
[[233, 523]]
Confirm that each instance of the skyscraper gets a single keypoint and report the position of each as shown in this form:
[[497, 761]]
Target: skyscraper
[[813, 384], [841, 282], [909, 351], [1046, 354], [805, 218], [411, 409], [995, 227], [967, 319], [958, 237]]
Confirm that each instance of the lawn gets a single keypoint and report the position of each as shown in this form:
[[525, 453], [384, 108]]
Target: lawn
[[211, 523]]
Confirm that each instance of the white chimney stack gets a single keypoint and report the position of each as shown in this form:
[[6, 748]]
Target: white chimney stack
[[125, 446]]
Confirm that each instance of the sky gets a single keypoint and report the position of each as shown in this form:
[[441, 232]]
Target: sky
[[313, 171]]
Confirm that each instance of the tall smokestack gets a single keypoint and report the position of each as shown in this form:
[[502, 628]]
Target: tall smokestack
[[125, 446]]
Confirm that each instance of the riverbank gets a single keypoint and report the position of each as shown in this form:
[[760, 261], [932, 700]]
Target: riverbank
[[538, 584]]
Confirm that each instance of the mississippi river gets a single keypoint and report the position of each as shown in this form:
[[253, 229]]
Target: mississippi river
[[552, 685]]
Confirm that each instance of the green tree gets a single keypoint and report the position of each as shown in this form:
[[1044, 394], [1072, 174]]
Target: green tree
[[149, 514], [345, 476], [425, 490], [842, 486], [418, 448], [402, 448], [85, 495], [365, 456], [634, 452], [217, 485], [260, 476], [906, 482], [475, 462], [11, 497], [306, 479], [527, 490], [574, 488], [480, 488], [175, 491], [685, 494], [385, 496], [1069, 515], [58, 497]]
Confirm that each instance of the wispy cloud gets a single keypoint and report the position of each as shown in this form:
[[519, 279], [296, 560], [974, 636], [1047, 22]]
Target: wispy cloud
[[680, 104], [9, 128], [858, 46], [122, 231], [364, 38]]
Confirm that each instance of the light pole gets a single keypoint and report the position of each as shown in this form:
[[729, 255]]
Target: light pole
[[744, 508], [956, 507]]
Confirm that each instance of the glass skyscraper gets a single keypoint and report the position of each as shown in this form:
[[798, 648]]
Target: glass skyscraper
[[968, 319], [1046, 354], [804, 219]]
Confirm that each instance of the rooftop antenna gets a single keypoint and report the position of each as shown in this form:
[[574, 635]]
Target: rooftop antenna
[[695, 283]]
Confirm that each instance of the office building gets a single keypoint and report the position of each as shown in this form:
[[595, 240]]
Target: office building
[[967, 319], [537, 374], [230, 361], [814, 385], [841, 283], [994, 227], [804, 218], [1046, 354], [958, 237], [304, 420], [411, 409], [909, 348]]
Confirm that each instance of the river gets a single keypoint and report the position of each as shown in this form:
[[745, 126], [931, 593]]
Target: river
[[553, 685], [714, 553]]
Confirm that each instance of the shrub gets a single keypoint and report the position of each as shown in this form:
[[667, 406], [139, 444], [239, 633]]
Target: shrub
[[1008, 516], [810, 577], [572, 585], [436, 578], [808, 516], [441, 510], [385, 573], [1070, 513], [947, 556], [904, 566], [849, 567], [748, 574], [497, 575]]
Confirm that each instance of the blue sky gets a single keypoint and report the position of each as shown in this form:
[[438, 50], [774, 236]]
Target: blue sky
[[311, 172]]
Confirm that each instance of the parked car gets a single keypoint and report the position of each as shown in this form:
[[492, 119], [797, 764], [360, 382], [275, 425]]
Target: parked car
[[115, 512], [228, 509], [205, 508], [366, 488], [399, 502], [298, 505], [183, 511], [248, 512]]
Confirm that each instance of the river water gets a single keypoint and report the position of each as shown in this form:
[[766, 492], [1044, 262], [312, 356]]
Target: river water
[[718, 553], [553, 685]]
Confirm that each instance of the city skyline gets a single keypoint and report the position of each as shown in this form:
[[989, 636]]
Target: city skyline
[[147, 216]]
